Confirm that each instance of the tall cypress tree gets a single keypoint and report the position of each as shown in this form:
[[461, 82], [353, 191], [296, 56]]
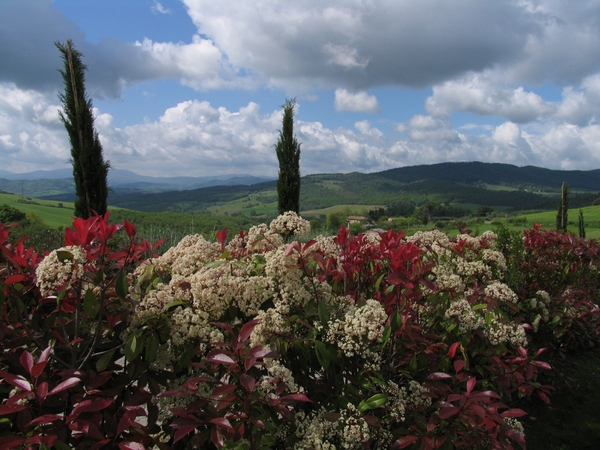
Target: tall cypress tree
[[563, 207], [288, 154], [90, 170]]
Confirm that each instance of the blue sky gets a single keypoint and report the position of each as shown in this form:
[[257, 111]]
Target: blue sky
[[194, 87]]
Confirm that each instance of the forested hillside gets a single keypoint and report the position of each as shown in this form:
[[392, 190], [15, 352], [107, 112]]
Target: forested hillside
[[501, 186]]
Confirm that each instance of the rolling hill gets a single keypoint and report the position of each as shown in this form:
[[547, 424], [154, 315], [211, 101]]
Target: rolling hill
[[501, 186]]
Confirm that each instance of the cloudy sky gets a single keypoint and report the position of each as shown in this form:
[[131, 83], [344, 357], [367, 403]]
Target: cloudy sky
[[195, 87]]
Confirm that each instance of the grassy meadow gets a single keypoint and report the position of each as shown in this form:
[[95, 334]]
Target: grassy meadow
[[49, 211]]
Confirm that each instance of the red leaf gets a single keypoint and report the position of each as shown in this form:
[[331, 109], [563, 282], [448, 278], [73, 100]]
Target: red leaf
[[296, 398], [452, 350], [16, 380], [459, 365], [9, 442], [405, 441], [182, 431], [63, 386], [126, 421], [90, 405], [247, 330], [448, 411], [247, 382], [222, 422], [45, 419], [139, 398], [100, 444], [438, 376], [42, 391], [129, 228], [220, 358], [131, 445], [471, 384], [515, 412], [543, 365], [27, 361], [7, 408], [16, 278], [222, 390]]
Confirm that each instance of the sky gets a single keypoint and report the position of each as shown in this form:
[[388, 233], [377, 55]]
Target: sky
[[195, 87]]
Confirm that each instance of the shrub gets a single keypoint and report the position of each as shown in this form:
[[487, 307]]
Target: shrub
[[266, 342]]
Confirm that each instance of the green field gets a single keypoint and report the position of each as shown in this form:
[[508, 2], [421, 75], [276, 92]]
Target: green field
[[48, 210]]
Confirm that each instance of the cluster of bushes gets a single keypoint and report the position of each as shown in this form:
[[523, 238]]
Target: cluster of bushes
[[264, 341]]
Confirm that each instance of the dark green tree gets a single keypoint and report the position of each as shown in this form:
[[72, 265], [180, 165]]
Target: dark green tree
[[563, 206], [90, 170], [288, 154], [581, 225]]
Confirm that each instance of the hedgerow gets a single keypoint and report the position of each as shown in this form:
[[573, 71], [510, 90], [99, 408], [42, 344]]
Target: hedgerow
[[264, 341]]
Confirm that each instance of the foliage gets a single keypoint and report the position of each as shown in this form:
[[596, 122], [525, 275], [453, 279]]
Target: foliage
[[89, 167], [288, 155], [382, 341], [8, 214], [61, 322]]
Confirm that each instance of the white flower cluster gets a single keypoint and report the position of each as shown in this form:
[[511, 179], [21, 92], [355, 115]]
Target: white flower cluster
[[314, 431], [290, 223], [350, 431], [414, 395], [54, 273], [499, 333], [540, 304], [501, 292], [359, 326], [515, 425], [468, 320]]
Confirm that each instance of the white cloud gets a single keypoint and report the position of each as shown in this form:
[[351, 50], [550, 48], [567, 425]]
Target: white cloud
[[486, 95], [358, 102], [157, 8], [344, 56]]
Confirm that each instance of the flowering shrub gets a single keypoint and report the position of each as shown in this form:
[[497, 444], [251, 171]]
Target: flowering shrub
[[382, 341]]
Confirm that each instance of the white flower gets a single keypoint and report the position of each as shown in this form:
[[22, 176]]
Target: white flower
[[54, 273]]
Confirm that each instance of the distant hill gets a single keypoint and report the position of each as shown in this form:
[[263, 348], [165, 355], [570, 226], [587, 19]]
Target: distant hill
[[496, 174], [44, 183], [501, 186]]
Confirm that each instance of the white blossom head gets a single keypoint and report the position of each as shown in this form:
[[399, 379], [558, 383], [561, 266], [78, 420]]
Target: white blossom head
[[60, 268]]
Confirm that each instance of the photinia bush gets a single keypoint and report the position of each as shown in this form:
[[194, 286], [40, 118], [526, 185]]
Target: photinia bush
[[368, 341]]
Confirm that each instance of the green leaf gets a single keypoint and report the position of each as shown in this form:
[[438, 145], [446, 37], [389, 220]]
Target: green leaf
[[323, 354], [413, 362], [99, 275], [213, 264], [323, 313], [373, 402], [173, 304], [64, 255], [396, 321], [489, 317], [151, 348], [91, 306], [103, 361], [60, 445], [133, 347], [385, 337], [121, 285], [378, 282], [479, 306]]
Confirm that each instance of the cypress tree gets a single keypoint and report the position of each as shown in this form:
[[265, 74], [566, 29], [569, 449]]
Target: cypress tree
[[581, 225], [90, 170], [288, 154], [563, 206]]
